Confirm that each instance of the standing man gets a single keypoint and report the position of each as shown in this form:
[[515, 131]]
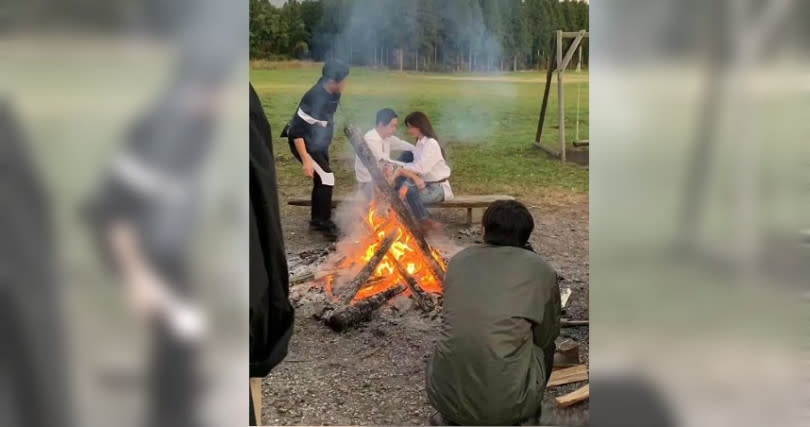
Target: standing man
[[310, 135]]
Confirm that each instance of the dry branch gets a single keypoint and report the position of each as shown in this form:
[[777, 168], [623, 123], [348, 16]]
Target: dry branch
[[365, 273], [566, 322], [345, 317]]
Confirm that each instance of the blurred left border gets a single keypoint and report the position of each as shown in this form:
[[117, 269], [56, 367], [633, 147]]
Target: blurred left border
[[124, 268]]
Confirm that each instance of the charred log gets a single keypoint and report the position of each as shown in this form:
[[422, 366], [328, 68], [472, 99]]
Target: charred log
[[420, 297], [365, 273], [345, 317]]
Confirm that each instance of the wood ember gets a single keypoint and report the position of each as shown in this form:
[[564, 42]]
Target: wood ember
[[344, 317], [365, 273]]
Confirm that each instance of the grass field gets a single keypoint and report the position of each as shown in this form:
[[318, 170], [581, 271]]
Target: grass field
[[487, 123]]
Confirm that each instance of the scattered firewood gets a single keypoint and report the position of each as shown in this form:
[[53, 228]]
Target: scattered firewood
[[578, 395], [355, 136], [344, 317], [567, 322], [365, 273], [420, 297], [301, 278], [568, 375]]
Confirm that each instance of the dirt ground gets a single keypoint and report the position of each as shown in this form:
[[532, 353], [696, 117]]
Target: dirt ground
[[374, 375]]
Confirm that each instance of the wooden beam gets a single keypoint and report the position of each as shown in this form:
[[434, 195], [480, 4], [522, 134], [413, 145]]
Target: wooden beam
[[544, 103], [560, 94], [568, 375], [571, 50], [569, 34], [576, 396]]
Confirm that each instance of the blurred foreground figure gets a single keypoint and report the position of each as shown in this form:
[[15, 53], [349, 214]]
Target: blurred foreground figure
[[501, 317], [271, 314], [33, 387]]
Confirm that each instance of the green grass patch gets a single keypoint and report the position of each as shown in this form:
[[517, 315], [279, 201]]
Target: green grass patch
[[486, 121]]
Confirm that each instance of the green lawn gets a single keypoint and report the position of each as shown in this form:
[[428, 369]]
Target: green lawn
[[487, 123]]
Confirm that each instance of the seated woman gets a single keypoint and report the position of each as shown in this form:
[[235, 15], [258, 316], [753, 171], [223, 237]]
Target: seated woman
[[427, 177]]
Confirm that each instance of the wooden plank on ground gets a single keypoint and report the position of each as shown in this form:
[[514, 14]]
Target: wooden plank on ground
[[568, 375], [576, 396], [256, 393]]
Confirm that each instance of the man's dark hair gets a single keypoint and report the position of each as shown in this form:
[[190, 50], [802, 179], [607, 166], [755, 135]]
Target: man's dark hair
[[335, 70], [507, 223], [385, 116]]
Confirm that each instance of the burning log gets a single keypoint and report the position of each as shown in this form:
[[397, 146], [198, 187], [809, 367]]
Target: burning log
[[365, 273], [422, 299], [345, 317], [355, 137]]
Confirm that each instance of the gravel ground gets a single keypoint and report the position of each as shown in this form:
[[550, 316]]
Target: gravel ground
[[374, 374]]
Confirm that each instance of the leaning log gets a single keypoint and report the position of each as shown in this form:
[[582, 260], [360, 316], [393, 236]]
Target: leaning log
[[355, 136], [345, 317], [420, 297], [365, 273]]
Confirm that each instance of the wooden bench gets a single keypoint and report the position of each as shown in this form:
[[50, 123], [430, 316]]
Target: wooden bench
[[465, 202]]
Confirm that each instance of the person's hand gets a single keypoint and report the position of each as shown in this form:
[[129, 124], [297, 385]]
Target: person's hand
[[308, 167], [145, 294], [420, 183]]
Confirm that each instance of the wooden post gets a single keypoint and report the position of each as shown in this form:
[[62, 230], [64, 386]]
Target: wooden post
[[544, 104], [560, 94]]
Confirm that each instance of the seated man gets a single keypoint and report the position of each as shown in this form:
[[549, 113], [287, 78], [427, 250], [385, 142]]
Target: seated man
[[501, 317], [380, 141]]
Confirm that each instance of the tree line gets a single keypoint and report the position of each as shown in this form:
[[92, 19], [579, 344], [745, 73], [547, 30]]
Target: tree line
[[429, 35]]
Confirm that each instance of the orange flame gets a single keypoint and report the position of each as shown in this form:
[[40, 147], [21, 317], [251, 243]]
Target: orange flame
[[403, 251]]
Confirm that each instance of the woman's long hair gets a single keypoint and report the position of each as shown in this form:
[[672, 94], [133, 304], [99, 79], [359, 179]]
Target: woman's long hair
[[420, 121]]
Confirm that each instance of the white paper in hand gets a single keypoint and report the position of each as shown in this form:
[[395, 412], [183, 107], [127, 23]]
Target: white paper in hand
[[327, 178]]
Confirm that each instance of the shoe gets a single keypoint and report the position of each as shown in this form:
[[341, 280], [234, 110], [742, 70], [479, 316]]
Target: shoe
[[328, 228]]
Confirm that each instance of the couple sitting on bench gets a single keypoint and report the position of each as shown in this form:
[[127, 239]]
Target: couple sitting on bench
[[421, 168]]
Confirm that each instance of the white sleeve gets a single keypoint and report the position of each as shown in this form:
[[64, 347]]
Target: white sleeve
[[375, 145], [401, 145], [431, 155]]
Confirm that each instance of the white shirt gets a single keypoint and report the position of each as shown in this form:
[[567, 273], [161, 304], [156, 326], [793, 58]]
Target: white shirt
[[381, 149], [430, 164]]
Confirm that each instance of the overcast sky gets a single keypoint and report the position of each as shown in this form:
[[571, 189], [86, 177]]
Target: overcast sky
[[277, 2]]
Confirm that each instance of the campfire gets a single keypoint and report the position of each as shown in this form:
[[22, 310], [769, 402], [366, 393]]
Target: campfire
[[390, 257]]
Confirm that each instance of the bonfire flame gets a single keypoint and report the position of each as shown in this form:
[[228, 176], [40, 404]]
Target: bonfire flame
[[404, 251]]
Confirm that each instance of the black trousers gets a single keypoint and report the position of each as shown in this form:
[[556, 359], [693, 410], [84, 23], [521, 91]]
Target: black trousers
[[321, 194]]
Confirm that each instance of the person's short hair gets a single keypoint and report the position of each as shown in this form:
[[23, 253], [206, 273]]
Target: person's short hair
[[507, 223], [385, 116], [335, 70]]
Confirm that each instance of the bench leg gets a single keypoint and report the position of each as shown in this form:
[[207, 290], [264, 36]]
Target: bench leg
[[469, 217]]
